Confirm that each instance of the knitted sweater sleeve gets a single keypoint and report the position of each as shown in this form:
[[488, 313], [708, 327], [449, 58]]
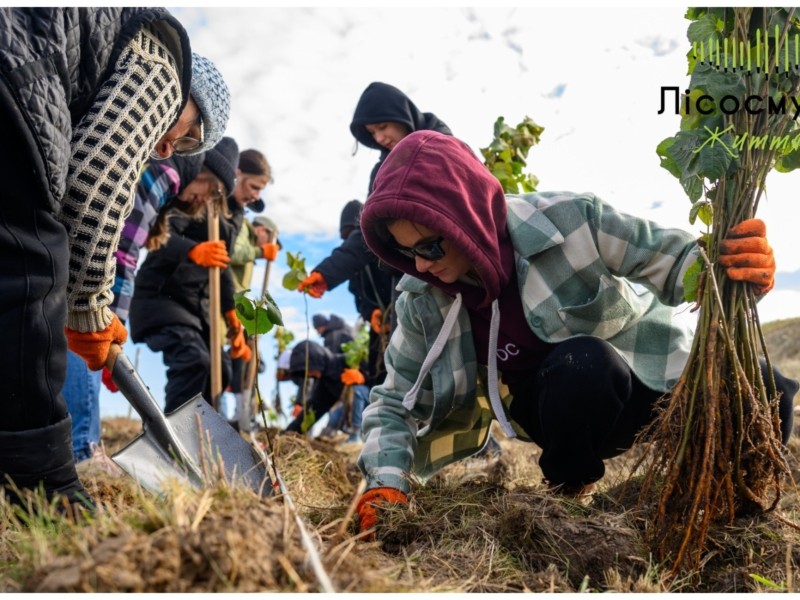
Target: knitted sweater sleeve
[[132, 110], [157, 183]]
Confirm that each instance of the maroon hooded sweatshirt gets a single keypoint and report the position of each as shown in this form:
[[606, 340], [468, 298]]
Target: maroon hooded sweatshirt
[[436, 180]]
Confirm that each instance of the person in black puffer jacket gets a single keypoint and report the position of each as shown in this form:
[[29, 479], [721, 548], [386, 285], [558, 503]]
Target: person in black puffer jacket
[[85, 95]]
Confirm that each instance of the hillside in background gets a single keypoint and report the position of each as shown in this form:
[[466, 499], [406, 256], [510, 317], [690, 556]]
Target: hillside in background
[[783, 343]]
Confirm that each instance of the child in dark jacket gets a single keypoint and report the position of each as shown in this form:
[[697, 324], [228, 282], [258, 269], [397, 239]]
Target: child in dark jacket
[[169, 310]]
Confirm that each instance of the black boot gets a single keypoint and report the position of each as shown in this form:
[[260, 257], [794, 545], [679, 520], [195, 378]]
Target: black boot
[[42, 458]]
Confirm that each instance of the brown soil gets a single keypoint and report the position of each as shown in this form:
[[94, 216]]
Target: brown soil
[[483, 525]]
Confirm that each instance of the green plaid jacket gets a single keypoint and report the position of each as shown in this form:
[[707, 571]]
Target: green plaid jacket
[[575, 257]]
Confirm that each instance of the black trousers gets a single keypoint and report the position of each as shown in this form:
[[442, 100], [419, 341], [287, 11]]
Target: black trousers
[[34, 262], [584, 405], [186, 355]]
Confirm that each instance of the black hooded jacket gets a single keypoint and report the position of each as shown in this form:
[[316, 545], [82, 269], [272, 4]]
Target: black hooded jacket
[[337, 332], [328, 387], [352, 261], [170, 289], [381, 103]]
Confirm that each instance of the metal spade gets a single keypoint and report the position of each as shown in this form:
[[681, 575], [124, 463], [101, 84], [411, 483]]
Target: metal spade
[[193, 443]]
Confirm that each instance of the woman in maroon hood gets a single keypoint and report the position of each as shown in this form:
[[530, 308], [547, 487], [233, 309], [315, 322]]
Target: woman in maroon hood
[[527, 300]]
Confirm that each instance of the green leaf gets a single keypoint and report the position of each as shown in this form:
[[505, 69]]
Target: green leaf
[[272, 309], [683, 161], [257, 317], [309, 418], [691, 281], [704, 210], [702, 29], [296, 273], [768, 582], [714, 158], [357, 350], [245, 307], [505, 155], [718, 84], [667, 162]]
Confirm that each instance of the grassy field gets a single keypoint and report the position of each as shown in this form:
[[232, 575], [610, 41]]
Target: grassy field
[[483, 525]]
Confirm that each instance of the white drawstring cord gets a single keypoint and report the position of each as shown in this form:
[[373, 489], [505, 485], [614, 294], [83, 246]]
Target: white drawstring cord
[[410, 399], [494, 394]]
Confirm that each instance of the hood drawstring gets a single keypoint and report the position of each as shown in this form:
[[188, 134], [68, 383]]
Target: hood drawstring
[[410, 398], [494, 394], [439, 343]]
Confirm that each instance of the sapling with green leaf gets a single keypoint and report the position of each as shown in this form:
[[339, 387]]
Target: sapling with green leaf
[[257, 317], [297, 273], [716, 445], [356, 352], [506, 156]]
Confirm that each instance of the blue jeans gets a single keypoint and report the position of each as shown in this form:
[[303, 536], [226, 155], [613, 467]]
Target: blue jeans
[[360, 400], [82, 393]]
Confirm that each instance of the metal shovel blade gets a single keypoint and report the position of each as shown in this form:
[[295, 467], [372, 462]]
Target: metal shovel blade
[[193, 443]]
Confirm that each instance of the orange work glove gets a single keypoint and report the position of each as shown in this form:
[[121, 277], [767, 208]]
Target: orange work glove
[[370, 502], [107, 381], [239, 347], [376, 322], [92, 346], [747, 256], [210, 254], [352, 377], [314, 285], [269, 251]]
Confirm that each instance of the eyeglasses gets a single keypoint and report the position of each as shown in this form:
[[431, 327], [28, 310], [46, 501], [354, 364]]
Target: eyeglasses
[[185, 144], [431, 250]]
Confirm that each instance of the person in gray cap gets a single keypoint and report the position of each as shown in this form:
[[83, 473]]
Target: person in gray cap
[[86, 95], [160, 181]]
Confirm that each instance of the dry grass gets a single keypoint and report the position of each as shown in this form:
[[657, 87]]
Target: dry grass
[[479, 526]]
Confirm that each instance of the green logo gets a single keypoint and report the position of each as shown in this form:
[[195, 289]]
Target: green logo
[[729, 54]]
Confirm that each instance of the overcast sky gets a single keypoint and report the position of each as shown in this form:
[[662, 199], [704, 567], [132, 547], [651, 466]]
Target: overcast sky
[[590, 76]]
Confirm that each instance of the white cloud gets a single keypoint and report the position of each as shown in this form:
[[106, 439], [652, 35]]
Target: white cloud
[[297, 73]]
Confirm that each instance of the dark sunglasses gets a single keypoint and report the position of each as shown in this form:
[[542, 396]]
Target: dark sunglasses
[[426, 250]]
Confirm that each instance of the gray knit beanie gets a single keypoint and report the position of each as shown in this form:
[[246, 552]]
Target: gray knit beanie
[[213, 98]]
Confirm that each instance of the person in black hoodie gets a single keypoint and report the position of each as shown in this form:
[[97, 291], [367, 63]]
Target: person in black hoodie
[[169, 309], [327, 372], [370, 285], [384, 115], [334, 331]]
